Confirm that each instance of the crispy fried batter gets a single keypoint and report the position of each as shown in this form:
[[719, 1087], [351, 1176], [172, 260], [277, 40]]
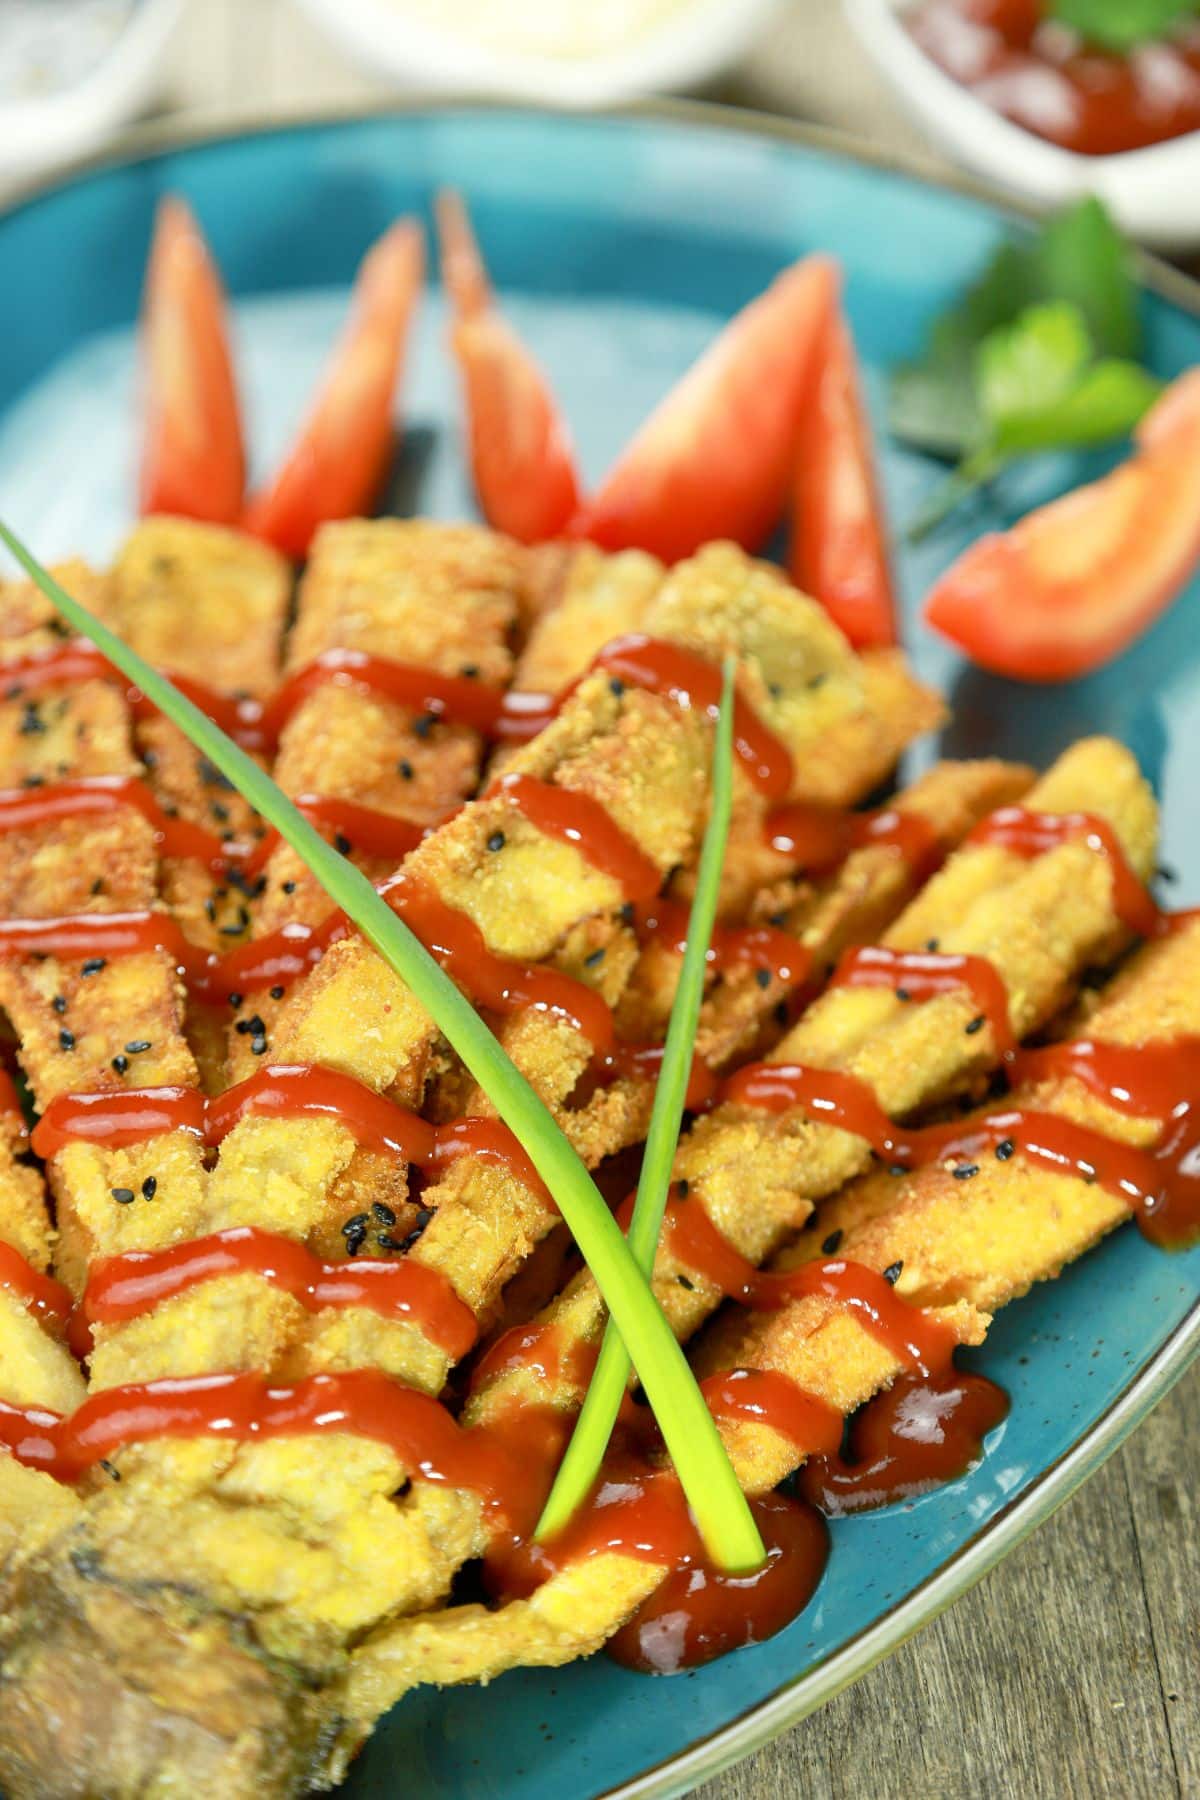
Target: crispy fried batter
[[967, 1248]]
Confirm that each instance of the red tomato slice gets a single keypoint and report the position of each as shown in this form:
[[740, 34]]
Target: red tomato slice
[[839, 542], [1077, 581], [715, 457], [192, 458], [521, 458], [340, 459]]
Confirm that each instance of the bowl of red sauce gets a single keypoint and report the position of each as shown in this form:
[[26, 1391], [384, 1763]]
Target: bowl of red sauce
[[1016, 96]]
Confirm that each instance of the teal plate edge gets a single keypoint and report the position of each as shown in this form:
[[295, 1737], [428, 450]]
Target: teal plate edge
[[917, 237]]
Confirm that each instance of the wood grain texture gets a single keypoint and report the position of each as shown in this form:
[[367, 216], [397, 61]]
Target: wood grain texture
[[1075, 1667]]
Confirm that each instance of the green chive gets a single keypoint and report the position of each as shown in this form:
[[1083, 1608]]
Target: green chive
[[721, 1513], [598, 1415]]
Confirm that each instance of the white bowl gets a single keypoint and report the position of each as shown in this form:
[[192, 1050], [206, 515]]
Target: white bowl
[[689, 46], [1154, 194], [67, 122]]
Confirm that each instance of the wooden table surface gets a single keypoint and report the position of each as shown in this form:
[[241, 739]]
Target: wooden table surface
[[1074, 1668]]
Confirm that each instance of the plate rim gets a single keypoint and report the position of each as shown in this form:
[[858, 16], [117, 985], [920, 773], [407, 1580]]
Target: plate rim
[[821, 1682]]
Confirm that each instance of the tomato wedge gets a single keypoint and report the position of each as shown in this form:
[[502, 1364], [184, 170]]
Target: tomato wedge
[[838, 551], [340, 459], [715, 458], [1076, 582], [192, 457], [521, 458]]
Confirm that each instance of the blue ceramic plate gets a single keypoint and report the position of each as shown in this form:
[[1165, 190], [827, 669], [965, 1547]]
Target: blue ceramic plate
[[621, 244]]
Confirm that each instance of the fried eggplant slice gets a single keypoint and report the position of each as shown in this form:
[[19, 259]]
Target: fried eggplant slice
[[966, 1249]]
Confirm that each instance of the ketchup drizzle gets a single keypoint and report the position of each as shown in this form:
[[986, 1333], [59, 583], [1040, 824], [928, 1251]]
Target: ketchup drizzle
[[818, 838], [48, 1300], [23, 809], [578, 819], [125, 1287], [79, 660], [665, 922], [919, 1433], [920, 975], [1031, 834]]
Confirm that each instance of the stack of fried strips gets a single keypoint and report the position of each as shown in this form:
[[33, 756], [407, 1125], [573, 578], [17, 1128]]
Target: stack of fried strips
[[206, 1615]]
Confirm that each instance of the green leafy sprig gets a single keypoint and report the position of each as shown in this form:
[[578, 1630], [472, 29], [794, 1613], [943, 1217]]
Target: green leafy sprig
[[593, 1429], [1121, 25], [722, 1514], [1041, 353]]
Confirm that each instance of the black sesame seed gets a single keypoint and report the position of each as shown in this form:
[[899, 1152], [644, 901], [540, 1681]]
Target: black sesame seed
[[903, 994], [355, 1241], [289, 887], [66, 1039], [383, 1213], [685, 1283], [341, 843], [98, 885], [404, 769], [33, 781], [149, 1187], [627, 913], [763, 977], [616, 686], [778, 920], [496, 841], [219, 811], [593, 958], [135, 1046], [31, 720], [1005, 1148], [210, 909], [816, 681], [1166, 873], [931, 945], [123, 1196], [470, 670], [897, 1169], [93, 965], [424, 1214], [964, 1171], [775, 689], [59, 1003], [358, 1222], [781, 1014], [425, 724], [831, 1243], [235, 1000], [278, 991], [386, 1241], [683, 1187], [975, 1025], [109, 1469], [258, 1046], [892, 1273], [211, 776], [120, 1064]]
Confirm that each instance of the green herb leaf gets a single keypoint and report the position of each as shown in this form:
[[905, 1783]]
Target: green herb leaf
[[1121, 25], [1038, 354], [720, 1508], [593, 1429]]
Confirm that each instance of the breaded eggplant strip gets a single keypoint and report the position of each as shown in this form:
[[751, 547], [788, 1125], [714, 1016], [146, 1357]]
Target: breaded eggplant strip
[[87, 1024], [288, 1568], [967, 1249], [1040, 924], [36, 1368], [200, 601]]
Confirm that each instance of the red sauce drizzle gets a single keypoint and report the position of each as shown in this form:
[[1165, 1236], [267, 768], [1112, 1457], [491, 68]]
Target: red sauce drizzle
[[1149, 1081], [279, 957], [125, 1287], [23, 809], [541, 1349], [821, 837], [364, 829], [455, 698], [919, 1433], [699, 1612], [1031, 834], [47, 1299], [75, 936], [920, 975], [694, 682], [78, 660], [767, 1397], [642, 1062], [495, 983], [665, 922], [579, 819], [122, 1116]]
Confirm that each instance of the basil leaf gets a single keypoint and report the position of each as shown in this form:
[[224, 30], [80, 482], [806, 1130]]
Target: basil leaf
[[1083, 258]]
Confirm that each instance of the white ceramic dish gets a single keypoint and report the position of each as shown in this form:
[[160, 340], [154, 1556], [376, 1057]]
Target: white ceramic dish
[[1154, 194], [68, 122], [686, 48]]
